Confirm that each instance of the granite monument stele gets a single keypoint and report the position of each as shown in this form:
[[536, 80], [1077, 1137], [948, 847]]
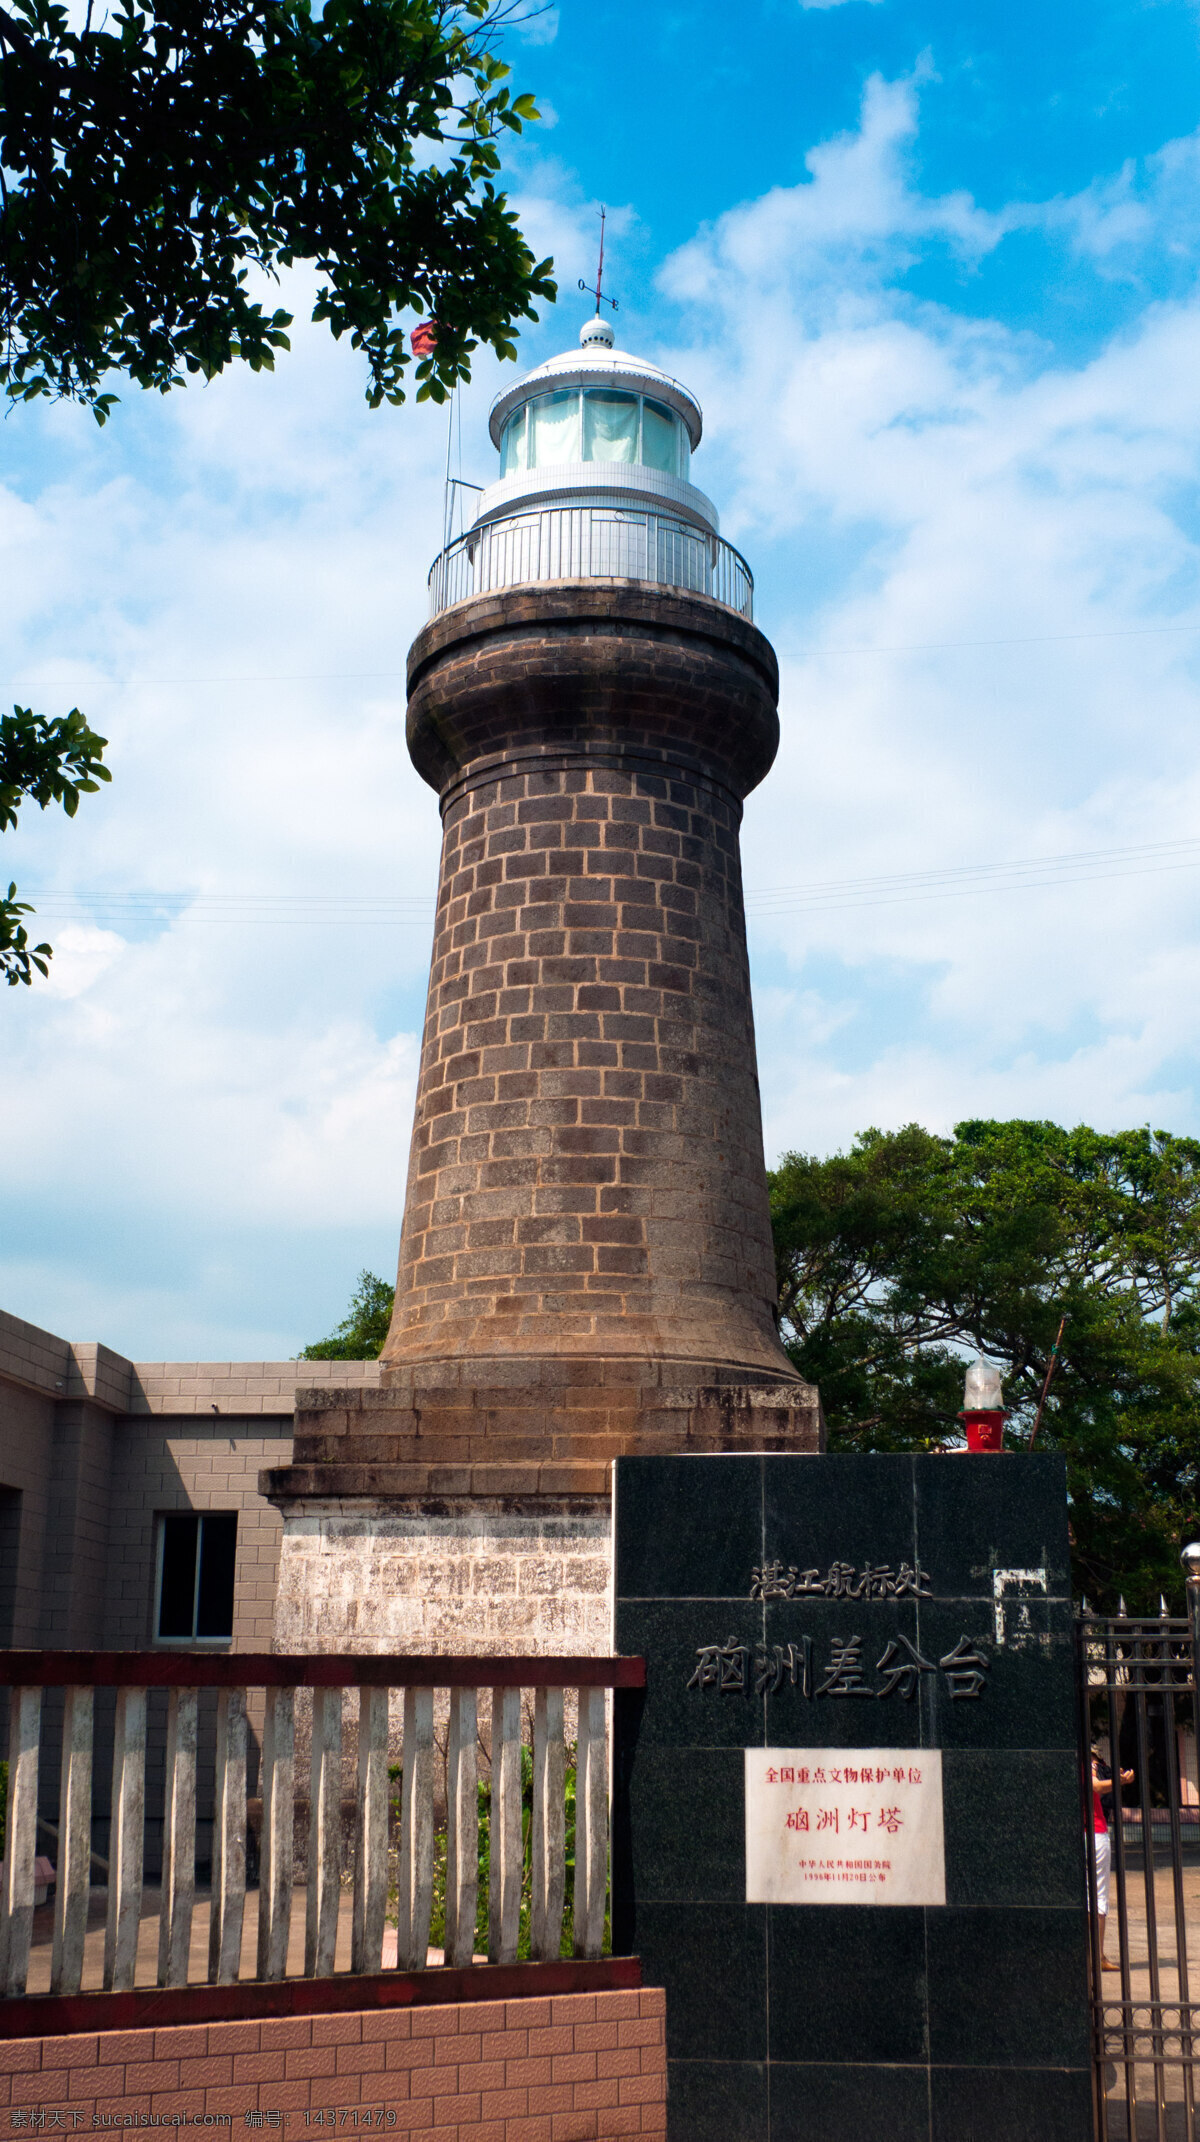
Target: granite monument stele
[[848, 1833]]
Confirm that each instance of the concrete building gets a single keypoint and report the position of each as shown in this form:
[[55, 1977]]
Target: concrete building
[[97, 1453], [131, 1517]]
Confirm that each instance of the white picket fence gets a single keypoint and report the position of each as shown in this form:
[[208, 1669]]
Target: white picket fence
[[469, 1684]]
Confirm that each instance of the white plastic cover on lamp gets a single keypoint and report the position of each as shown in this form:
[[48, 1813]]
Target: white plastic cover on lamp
[[983, 1393], [555, 418], [660, 430], [610, 427]]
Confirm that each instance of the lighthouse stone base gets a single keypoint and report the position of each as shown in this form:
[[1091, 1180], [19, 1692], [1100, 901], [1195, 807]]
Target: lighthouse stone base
[[502, 1574], [435, 1514]]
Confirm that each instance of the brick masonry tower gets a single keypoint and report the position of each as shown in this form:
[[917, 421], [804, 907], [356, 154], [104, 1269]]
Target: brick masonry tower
[[586, 1266]]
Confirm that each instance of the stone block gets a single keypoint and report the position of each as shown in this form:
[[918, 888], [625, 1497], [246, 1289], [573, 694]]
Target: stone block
[[515, 1428]]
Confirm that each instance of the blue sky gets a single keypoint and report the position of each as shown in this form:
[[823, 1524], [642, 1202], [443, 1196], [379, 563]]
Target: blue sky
[[933, 274]]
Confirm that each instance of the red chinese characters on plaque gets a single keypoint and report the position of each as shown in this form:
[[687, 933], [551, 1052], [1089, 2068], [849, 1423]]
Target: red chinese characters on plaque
[[844, 1826]]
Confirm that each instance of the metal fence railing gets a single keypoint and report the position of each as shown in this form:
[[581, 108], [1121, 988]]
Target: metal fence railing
[[590, 543], [1140, 1715]]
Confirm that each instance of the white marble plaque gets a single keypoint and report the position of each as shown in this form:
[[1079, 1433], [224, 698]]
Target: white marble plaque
[[844, 1826]]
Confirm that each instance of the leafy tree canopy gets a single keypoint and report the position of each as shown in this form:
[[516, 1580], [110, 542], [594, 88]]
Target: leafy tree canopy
[[151, 160], [363, 1329], [899, 1259], [43, 761]]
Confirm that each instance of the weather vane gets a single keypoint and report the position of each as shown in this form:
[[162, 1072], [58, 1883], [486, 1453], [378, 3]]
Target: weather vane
[[598, 292]]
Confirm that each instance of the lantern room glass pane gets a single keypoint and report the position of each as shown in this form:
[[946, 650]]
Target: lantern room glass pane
[[610, 426], [659, 435], [513, 445], [555, 420]]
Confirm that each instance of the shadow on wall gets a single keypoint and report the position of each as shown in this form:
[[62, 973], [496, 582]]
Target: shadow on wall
[[174, 1573]]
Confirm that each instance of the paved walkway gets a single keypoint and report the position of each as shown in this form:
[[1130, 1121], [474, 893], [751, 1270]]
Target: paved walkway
[[146, 1973], [1174, 2121]]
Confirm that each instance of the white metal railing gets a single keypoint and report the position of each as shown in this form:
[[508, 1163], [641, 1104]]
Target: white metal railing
[[590, 543], [388, 1871]]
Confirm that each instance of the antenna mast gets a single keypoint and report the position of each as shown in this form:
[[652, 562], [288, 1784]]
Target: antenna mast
[[598, 292]]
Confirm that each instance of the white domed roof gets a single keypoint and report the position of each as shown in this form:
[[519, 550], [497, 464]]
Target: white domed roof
[[596, 365]]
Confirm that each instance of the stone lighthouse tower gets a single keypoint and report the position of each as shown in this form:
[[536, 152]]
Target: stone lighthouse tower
[[586, 1266]]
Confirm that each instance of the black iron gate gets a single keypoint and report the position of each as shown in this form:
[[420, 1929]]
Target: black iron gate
[[1140, 1721]]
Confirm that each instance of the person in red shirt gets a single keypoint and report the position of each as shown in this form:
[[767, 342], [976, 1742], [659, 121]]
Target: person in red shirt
[[1101, 1786]]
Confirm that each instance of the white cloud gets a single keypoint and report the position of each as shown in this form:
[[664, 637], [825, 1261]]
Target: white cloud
[[82, 954], [242, 1113], [534, 23], [1022, 526], [215, 1115], [1145, 209], [232, 604], [855, 220]]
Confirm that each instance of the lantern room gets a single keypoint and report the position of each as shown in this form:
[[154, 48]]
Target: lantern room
[[595, 482]]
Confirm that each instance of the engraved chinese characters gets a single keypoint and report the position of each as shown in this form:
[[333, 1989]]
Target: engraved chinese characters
[[831, 1826], [735, 1669], [843, 1580]]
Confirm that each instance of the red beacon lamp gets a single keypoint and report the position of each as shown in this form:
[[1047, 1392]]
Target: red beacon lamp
[[983, 1407]]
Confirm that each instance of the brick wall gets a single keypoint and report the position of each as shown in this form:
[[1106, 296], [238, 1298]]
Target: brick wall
[[36, 1358], [238, 1387], [572, 2068], [586, 1265], [76, 1565]]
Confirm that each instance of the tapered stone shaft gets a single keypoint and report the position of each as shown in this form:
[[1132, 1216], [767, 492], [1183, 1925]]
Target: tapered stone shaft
[[586, 1174]]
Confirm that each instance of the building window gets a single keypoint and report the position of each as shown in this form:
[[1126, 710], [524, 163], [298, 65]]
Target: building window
[[194, 1594]]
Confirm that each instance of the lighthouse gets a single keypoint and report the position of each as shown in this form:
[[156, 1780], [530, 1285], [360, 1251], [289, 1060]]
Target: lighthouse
[[586, 1266]]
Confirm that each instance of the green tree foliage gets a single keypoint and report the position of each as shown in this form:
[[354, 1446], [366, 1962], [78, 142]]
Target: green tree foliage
[[483, 1791], [159, 154], [43, 761], [901, 1258], [153, 159], [363, 1329]]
